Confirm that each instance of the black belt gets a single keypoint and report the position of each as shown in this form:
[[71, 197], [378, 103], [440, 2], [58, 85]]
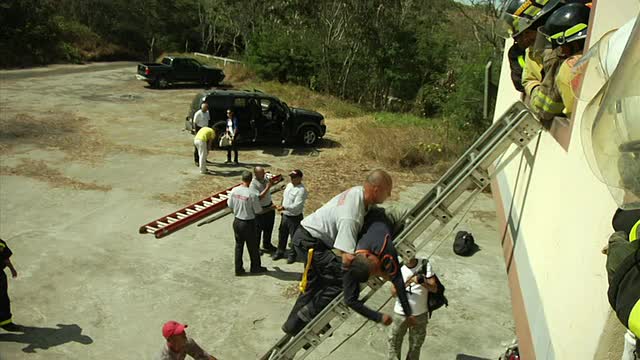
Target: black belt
[[317, 243], [292, 216], [246, 220], [268, 206]]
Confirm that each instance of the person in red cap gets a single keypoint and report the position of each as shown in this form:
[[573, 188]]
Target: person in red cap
[[178, 345]]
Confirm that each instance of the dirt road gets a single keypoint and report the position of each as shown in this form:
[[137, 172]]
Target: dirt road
[[89, 154]]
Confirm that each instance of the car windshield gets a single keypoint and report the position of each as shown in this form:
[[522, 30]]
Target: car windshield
[[166, 61]]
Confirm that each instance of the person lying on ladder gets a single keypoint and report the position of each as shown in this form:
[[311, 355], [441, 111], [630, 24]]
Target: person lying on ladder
[[376, 256], [326, 240]]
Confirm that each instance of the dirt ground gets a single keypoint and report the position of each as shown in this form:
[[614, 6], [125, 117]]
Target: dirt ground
[[89, 154]]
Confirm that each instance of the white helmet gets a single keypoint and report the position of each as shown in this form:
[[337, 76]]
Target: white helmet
[[611, 122]]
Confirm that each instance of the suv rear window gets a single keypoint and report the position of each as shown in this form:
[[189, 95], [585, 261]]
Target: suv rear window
[[219, 102], [166, 61]]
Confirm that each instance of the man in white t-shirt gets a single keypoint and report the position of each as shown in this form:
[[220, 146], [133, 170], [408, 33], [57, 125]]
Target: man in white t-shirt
[[292, 210], [245, 205], [331, 232], [200, 120], [419, 280]]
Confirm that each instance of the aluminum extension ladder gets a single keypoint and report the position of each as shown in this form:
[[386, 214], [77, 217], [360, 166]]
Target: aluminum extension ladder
[[189, 214], [472, 171]]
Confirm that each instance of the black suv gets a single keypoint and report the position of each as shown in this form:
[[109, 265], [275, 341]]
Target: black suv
[[261, 117]]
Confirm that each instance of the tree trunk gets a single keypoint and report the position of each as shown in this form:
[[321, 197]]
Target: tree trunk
[[153, 41]]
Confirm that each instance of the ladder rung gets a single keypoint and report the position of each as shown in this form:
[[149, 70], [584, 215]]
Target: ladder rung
[[199, 208], [223, 196], [151, 229], [161, 224], [207, 203], [190, 212], [181, 216], [215, 200], [171, 220]]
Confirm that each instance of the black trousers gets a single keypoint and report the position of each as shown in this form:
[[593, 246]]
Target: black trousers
[[245, 233], [233, 148], [196, 158], [264, 227], [288, 226], [5, 303], [324, 281]]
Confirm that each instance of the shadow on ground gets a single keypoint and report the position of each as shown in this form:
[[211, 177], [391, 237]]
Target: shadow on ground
[[43, 338], [469, 357], [301, 150], [280, 274], [180, 86]]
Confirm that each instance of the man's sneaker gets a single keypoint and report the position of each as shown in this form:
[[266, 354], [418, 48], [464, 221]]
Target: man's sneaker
[[236, 162], [291, 259], [12, 327], [277, 255], [228, 162], [240, 272], [259, 270]]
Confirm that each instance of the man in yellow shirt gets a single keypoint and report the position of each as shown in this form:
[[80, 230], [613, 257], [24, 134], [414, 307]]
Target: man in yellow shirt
[[203, 141]]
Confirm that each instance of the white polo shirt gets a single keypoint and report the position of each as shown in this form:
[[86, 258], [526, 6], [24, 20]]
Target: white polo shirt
[[201, 118], [293, 199], [339, 221], [244, 203], [416, 293]]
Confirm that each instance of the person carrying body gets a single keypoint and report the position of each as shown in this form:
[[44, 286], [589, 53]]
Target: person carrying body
[[326, 240]]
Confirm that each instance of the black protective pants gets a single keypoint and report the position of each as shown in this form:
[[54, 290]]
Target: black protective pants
[[264, 227], [288, 226], [5, 303], [245, 233], [324, 281]]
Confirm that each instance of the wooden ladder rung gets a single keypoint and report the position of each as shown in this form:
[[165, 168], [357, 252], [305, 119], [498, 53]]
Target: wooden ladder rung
[[150, 229]]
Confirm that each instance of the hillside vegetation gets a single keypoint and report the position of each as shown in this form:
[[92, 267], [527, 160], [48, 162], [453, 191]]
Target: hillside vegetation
[[424, 59]]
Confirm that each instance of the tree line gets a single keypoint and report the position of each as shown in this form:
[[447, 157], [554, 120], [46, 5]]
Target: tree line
[[423, 56]]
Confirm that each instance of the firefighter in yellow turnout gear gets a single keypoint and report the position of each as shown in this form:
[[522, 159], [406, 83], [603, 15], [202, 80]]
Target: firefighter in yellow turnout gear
[[566, 30]]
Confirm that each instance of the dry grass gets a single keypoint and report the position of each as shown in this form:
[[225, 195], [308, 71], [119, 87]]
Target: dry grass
[[61, 130], [196, 190], [414, 148], [38, 170]]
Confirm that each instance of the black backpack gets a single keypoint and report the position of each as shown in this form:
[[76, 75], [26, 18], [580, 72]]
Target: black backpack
[[464, 244]]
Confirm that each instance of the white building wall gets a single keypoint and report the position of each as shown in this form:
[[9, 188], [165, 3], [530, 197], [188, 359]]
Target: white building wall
[[564, 215]]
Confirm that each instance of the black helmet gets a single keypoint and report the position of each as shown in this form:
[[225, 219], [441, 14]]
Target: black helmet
[[518, 15], [567, 24]]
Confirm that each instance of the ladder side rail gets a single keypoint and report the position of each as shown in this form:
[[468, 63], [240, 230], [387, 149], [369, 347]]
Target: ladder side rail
[[173, 214], [171, 228], [466, 162], [422, 216]]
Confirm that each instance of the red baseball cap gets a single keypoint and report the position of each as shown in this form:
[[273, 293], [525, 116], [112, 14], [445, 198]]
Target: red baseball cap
[[171, 328]]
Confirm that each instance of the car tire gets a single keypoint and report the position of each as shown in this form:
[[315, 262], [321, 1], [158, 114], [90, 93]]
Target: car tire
[[161, 82], [309, 136]]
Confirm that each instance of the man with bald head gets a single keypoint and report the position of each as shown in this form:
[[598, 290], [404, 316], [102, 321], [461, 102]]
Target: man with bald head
[[267, 217], [326, 239]]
